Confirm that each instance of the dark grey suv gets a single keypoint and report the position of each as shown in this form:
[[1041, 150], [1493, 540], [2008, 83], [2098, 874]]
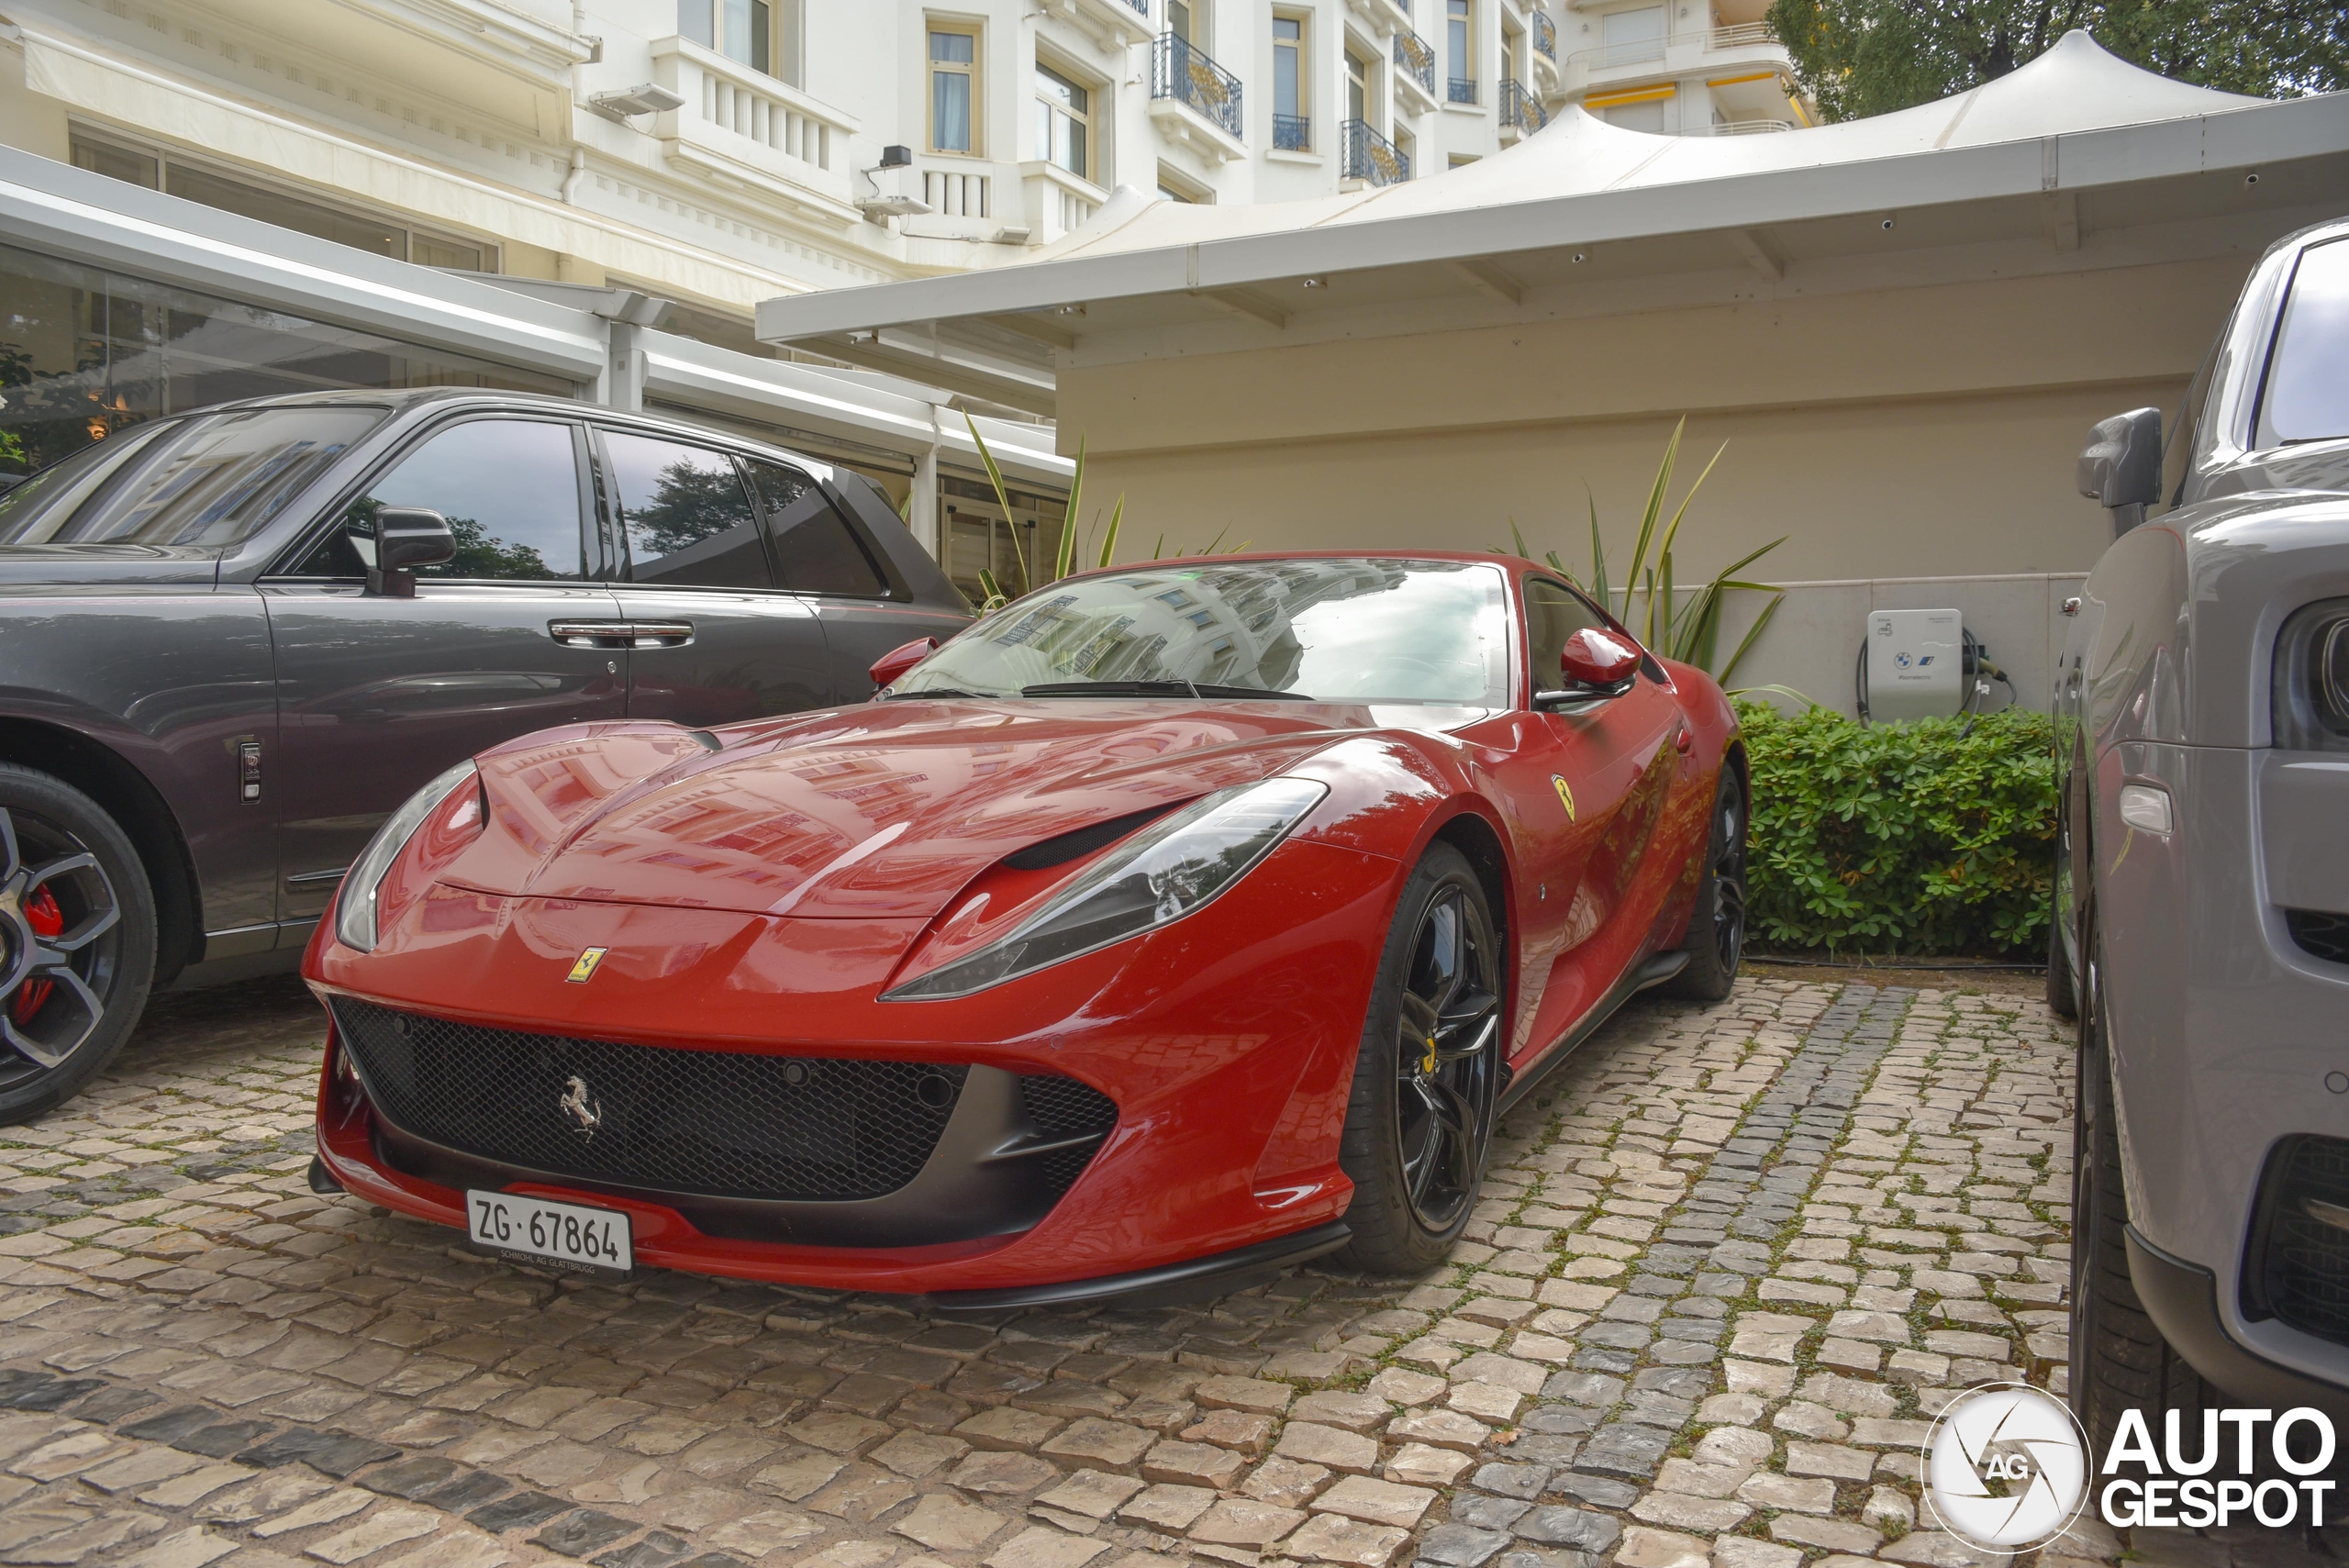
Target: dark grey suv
[[2202, 909], [232, 641]]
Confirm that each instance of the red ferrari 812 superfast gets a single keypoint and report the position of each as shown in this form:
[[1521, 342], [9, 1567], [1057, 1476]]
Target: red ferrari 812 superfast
[[1172, 924]]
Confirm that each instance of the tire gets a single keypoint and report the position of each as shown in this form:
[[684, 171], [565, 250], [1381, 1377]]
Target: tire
[[2059, 999], [1716, 939], [77, 941], [2119, 1360], [1415, 1141]]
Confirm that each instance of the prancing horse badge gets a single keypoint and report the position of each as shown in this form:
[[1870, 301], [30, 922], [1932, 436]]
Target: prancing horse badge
[[1565, 798], [580, 971]]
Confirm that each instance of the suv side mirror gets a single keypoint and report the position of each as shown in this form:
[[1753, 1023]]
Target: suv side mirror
[[897, 660], [1595, 663], [405, 538], [2121, 467]]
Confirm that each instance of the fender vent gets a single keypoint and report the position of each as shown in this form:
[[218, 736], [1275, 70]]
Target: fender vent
[[2297, 1267], [2324, 935], [1062, 1108]]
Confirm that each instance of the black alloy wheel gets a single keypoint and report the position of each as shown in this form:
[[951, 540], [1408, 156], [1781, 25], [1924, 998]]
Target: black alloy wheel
[[1716, 940], [77, 941], [1421, 1123]]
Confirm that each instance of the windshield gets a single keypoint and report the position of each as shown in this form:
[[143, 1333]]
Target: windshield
[[1333, 630], [203, 482], [2306, 397]]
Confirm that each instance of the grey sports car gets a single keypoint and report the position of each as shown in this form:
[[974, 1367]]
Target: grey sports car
[[2202, 928]]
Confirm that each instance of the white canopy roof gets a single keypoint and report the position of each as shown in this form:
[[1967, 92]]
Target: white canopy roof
[[2077, 118]]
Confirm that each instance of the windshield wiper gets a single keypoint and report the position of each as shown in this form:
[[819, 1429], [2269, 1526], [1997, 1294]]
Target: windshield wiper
[[1157, 689], [943, 691]]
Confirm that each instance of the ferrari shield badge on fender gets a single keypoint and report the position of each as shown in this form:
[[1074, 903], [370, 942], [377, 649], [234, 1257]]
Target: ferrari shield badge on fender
[[1565, 798], [580, 971]]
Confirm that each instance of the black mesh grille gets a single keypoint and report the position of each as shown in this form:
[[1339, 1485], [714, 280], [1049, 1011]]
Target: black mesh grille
[[2325, 935], [718, 1124], [2299, 1265], [1061, 1107]]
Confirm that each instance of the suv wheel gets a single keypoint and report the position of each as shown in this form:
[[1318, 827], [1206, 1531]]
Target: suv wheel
[[77, 941], [2119, 1358]]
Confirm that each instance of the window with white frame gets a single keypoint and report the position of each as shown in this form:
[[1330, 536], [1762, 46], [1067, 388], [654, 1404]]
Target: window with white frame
[[1292, 127], [954, 89], [1063, 122]]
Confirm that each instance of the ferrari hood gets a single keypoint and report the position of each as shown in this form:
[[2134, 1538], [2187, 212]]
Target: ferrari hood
[[882, 811]]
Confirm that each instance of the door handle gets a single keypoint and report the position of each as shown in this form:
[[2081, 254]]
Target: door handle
[[591, 633], [660, 633], [1681, 738], [621, 633]]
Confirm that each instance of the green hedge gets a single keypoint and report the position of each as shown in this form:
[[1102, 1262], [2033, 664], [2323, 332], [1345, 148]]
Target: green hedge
[[1911, 838]]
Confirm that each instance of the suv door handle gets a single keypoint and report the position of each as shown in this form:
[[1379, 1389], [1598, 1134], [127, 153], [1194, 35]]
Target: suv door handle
[[660, 633], [621, 633]]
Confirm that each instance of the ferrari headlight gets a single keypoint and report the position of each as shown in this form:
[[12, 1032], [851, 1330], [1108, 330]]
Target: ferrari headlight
[[354, 917], [1167, 870]]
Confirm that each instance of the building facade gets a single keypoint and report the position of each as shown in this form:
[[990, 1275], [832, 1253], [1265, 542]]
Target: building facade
[[719, 152], [1675, 68]]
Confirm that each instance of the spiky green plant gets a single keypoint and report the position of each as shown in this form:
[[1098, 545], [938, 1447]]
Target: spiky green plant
[[1690, 633], [1064, 561]]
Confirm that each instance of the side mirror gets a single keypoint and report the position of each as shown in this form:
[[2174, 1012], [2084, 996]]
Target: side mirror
[[897, 660], [405, 538], [1595, 663], [2121, 467]]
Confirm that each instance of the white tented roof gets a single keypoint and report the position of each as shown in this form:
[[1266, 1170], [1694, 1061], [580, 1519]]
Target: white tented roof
[[2077, 124], [2074, 86]]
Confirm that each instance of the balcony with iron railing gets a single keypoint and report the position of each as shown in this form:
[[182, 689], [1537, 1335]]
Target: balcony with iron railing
[[1292, 133], [1181, 74], [1460, 89], [1545, 35], [1522, 112], [1371, 157], [1415, 66]]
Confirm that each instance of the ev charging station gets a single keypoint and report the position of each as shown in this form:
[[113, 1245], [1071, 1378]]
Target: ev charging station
[[1915, 664]]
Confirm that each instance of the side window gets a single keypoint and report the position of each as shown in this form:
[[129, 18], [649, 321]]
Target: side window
[[2307, 395], [815, 547], [687, 522], [1553, 614], [509, 487]]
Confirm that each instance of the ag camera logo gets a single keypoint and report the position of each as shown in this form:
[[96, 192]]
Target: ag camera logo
[[2006, 1467]]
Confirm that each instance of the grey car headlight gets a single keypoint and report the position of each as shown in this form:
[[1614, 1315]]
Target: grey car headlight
[[354, 909], [1171, 868], [2311, 679]]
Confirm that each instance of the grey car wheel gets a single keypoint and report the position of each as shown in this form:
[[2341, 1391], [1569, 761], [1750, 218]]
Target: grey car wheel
[[77, 941], [2119, 1360]]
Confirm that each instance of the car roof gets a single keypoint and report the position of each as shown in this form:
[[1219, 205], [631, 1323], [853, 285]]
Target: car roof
[[409, 400], [1485, 557]]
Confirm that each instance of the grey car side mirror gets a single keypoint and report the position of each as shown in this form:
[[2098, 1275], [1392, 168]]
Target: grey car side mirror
[[405, 538], [2121, 467]]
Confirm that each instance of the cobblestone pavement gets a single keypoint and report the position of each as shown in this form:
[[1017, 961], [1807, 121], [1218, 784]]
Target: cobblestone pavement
[[1724, 1274]]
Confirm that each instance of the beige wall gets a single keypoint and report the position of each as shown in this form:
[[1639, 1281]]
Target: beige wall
[[1910, 432], [1949, 486]]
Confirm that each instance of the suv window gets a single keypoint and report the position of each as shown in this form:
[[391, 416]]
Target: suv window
[[2306, 397], [685, 515], [509, 487], [209, 481], [1553, 614], [815, 547]]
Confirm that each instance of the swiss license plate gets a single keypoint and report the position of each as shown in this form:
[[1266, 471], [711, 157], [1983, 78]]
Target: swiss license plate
[[567, 1235]]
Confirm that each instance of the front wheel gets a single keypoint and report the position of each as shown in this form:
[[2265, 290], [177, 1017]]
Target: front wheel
[[1716, 939], [77, 941], [1420, 1124], [2119, 1360]]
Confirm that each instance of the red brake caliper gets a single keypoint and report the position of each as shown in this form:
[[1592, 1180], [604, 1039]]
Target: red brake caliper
[[47, 920]]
